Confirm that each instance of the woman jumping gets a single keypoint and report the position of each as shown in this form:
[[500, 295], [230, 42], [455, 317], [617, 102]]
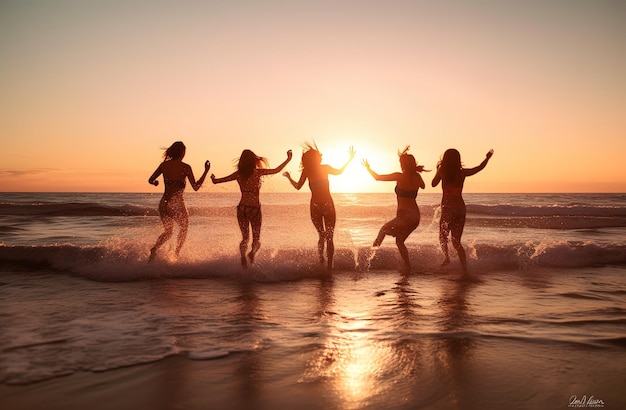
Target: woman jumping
[[407, 219], [452, 175], [322, 207], [172, 207], [250, 169]]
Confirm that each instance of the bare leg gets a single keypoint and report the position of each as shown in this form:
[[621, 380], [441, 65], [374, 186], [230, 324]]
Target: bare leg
[[256, 236], [379, 239], [320, 245], [457, 231], [462, 258], [168, 230], [404, 252], [243, 246], [386, 229], [324, 218], [330, 220], [443, 241], [330, 247], [245, 237], [183, 221], [256, 245], [444, 229], [318, 222]]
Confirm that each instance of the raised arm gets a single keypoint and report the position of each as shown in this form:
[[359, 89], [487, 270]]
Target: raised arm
[[278, 168], [378, 177], [231, 177], [153, 178], [475, 170], [437, 177], [295, 184], [335, 171], [197, 184]]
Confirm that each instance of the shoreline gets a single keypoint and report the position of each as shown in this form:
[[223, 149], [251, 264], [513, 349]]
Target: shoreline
[[374, 340]]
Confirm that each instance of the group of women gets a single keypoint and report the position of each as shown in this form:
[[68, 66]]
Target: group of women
[[251, 168]]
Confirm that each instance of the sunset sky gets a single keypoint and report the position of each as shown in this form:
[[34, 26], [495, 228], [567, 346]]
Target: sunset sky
[[90, 91]]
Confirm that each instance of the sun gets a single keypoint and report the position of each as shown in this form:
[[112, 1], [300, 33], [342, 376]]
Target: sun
[[355, 178]]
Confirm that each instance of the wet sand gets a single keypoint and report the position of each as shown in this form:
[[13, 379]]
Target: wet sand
[[443, 374]]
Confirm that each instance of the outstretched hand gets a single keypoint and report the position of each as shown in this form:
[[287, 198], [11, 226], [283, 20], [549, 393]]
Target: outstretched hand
[[365, 163], [286, 174], [352, 152]]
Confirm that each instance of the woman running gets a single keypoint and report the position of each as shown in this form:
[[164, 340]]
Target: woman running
[[408, 182], [452, 175], [322, 207], [250, 169], [172, 207]]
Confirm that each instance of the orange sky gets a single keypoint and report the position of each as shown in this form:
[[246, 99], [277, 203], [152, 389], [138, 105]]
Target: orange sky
[[91, 91]]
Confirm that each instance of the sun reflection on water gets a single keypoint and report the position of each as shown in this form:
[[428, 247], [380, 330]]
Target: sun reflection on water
[[356, 369], [352, 361]]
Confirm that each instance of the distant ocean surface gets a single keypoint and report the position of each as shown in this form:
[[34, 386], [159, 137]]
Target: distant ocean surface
[[77, 294]]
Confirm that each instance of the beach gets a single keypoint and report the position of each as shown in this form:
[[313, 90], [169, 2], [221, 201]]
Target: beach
[[378, 340], [87, 322]]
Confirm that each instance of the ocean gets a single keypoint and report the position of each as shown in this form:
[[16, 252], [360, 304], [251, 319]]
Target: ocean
[[86, 321]]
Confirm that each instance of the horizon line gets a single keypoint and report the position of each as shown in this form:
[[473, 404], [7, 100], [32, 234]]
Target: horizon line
[[307, 193]]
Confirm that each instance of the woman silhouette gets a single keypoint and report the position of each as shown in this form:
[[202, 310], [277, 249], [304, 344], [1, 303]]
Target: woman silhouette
[[408, 182], [172, 207], [322, 206], [250, 169], [452, 175]]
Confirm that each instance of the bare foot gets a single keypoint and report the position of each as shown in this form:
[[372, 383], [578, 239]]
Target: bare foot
[[253, 251], [251, 257]]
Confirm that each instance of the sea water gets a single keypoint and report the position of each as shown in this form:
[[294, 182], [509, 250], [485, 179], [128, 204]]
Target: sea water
[[77, 294]]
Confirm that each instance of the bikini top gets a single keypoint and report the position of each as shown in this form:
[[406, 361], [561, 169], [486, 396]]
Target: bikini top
[[403, 193], [252, 185]]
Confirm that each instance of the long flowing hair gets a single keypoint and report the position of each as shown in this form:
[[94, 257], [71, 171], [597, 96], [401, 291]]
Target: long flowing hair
[[248, 162], [408, 162], [450, 164], [311, 157], [175, 151]]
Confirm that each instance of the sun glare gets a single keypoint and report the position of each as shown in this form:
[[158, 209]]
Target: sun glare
[[355, 178]]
